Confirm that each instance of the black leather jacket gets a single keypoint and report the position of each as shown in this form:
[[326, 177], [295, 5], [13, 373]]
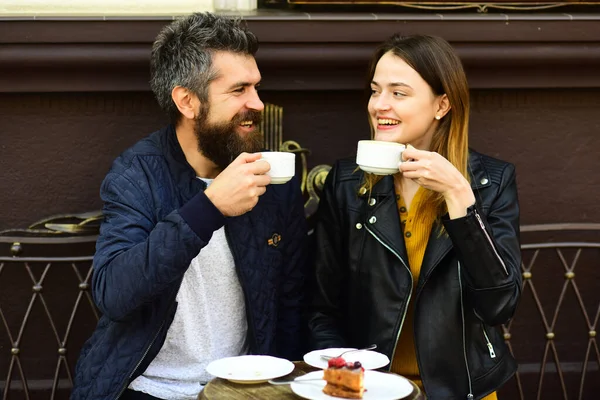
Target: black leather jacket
[[470, 279]]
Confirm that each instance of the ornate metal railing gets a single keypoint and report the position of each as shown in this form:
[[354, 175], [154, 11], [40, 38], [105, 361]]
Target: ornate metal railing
[[553, 334], [46, 312]]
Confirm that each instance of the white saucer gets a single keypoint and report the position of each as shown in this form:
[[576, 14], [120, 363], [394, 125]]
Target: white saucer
[[378, 386], [378, 170], [250, 369], [368, 358]]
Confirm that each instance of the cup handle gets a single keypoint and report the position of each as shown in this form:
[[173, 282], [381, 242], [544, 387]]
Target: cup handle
[[400, 160]]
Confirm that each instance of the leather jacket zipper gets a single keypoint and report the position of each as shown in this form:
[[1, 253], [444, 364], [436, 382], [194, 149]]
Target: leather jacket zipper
[[246, 299], [409, 294], [490, 241], [488, 343], [462, 314]]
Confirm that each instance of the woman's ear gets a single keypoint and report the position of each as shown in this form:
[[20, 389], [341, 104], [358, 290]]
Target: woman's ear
[[187, 103], [443, 106]]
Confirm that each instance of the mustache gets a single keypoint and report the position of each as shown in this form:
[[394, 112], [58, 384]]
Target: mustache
[[248, 115]]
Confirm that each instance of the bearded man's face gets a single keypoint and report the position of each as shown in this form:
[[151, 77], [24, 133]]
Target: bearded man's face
[[221, 142], [227, 124]]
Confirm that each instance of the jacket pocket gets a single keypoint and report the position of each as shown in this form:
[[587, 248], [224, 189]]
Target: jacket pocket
[[484, 353]]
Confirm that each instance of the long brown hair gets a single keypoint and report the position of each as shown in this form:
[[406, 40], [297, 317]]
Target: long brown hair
[[438, 64]]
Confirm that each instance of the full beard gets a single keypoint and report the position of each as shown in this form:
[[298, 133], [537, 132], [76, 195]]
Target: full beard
[[221, 143]]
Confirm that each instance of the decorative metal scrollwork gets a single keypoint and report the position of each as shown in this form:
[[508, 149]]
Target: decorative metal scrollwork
[[315, 181], [293, 147], [310, 182]]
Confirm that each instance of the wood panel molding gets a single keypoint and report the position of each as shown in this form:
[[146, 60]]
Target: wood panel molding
[[301, 51]]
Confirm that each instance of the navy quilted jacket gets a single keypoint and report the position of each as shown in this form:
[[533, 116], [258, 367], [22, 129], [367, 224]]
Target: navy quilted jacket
[[157, 219]]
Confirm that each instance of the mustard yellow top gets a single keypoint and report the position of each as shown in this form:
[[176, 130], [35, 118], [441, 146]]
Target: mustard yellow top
[[416, 236]]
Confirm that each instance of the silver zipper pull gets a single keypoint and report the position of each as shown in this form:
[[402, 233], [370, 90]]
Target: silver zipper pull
[[488, 343], [480, 221], [490, 240], [492, 352], [470, 396]]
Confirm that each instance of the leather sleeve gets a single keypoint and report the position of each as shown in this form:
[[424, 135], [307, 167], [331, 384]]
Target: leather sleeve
[[487, 244], [325, 314]]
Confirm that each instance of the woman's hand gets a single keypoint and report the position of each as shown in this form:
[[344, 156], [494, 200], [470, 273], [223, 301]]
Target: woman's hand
[[434, 172]]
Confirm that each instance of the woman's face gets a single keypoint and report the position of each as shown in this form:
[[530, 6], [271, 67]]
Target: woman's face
[[402, 107]]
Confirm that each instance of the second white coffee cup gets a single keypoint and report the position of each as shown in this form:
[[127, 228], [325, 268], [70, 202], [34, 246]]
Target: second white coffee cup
[[283, 165], [379, 157]]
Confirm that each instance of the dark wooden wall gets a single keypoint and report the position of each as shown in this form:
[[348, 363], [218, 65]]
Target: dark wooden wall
[[56, 147]]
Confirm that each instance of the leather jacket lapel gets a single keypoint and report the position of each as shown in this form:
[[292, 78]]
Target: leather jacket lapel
[[437, 248], [387, 220]]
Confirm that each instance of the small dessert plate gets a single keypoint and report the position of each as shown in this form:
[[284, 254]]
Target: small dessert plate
[[368, 358], [250, 369], [378, 386]]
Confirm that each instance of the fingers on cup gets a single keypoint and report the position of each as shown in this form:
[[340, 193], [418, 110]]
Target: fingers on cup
[[260, 167], [263, 180], [247, 157]]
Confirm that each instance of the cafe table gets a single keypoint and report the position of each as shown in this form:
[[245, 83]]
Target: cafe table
[[219, 389]]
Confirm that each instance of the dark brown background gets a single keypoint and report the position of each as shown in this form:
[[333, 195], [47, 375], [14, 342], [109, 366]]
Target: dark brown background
[[57, 147], [74, 94]]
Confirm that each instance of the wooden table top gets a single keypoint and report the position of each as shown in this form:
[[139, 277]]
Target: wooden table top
[[218, 389]]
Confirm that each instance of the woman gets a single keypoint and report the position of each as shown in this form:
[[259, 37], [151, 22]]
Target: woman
[[424, 262]]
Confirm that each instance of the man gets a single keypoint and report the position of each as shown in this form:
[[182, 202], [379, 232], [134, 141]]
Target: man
[[198, 257]]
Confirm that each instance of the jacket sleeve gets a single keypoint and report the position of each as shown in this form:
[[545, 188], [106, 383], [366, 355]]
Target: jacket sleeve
[[292, 291], [326, 309], [137, 258], [489, 252]]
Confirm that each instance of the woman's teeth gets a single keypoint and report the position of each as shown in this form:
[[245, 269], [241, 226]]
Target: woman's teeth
[[385, 121]]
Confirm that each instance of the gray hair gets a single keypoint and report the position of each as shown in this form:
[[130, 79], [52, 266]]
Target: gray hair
[[182, 55]]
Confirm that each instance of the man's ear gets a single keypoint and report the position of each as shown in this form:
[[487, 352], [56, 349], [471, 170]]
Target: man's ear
[[187, 103], [443, 106]]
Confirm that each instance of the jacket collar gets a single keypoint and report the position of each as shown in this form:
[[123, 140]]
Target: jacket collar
[[479, 176], [182, 172]]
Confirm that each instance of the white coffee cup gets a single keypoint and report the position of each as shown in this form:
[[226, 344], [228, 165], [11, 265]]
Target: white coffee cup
[[283, 165], [379, 157]]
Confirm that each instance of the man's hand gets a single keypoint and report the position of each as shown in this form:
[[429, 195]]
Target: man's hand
[[235, 191]]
